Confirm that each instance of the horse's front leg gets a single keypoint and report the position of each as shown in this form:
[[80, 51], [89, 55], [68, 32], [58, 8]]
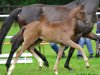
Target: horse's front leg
[[97, 49], [59, 56], [78, 47], [70, 53], [97, 38]]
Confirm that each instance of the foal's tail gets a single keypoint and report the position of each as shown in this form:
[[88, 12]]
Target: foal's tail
[[7, 25]]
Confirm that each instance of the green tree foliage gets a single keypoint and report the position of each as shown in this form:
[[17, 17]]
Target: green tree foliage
[[28, 2]]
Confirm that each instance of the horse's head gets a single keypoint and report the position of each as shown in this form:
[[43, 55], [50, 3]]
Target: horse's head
[[81, 13]]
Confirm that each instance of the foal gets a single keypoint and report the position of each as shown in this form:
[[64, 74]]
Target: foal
[[50, 31]]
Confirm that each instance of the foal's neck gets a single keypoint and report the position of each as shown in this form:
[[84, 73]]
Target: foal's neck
[[71, 20]]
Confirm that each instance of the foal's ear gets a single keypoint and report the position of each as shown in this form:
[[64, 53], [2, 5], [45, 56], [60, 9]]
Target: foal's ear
[[82, 5]]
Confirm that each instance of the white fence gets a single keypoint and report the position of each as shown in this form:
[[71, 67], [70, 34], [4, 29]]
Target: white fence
[[25, 57], [6, 15]]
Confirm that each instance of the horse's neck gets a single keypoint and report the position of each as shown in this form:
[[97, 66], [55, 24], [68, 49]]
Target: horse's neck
[[71, 21]]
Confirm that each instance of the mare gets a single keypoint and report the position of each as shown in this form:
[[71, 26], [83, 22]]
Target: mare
[[49, 29], [32, 12]]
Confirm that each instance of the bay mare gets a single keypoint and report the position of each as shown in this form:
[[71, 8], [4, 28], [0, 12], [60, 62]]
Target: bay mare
[[33, 12], [49, 29]]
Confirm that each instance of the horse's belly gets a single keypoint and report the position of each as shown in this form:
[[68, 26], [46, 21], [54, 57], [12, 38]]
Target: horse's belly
[[53, 36]]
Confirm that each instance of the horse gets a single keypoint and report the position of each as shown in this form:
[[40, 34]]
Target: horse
[[49, 29], [26, 17]]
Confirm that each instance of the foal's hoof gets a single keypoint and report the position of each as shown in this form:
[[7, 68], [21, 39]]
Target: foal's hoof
[[87, 67], [46, 64]]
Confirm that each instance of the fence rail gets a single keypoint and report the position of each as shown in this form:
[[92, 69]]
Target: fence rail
[[6, 15]]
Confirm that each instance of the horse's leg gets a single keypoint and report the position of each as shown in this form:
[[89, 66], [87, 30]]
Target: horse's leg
[[78, 47], [16, 42], [97, 49], [18, 54], [59, 56], [31, 50], [42, 57], [70, 53], [14, 47], [97, 38], [39, 53]]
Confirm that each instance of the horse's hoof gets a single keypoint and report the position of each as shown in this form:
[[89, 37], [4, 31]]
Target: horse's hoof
[[40, 68], [69, 68], [46, 64], [87, 67], [56, 73]]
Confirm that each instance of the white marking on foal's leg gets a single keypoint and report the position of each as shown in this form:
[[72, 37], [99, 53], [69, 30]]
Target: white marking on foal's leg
[[56, 72], [12, 67], [72, 44], [58, 59], [37, 57]]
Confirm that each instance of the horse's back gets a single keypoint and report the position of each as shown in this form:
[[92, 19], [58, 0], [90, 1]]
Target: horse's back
[[31, 13], [55, 14]]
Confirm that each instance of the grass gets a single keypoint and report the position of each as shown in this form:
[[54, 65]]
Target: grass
[[33, 69]]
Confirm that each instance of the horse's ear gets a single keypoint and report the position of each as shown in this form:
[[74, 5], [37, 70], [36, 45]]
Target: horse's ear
[[82, 5]]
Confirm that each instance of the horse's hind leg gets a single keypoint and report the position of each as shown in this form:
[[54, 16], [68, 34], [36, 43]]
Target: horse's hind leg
[[18, 54], [59, 56], [39, 53], [31, 50], [74, 45], [14, 47], [42, 57]]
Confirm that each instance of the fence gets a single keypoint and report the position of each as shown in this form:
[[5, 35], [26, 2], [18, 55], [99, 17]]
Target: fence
[[6, 9]]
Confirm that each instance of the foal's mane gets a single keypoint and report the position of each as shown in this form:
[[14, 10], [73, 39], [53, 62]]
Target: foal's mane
[[73, 13]]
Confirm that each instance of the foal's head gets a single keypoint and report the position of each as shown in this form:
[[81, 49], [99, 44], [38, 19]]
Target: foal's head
[[79, 12]]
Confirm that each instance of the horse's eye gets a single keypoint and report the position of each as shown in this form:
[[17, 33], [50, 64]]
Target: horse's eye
[[82, 13]]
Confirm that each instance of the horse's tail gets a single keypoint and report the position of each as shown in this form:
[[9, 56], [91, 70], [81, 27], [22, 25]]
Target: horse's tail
[[7, 25], [17, 36]]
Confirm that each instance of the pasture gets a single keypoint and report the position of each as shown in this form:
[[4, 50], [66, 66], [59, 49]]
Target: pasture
[[33, 69]]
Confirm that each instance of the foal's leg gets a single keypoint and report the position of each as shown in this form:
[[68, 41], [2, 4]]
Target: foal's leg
[[70, 53], [59, 56], [31, 50], [27, 43], [18, 54], [39, 54], [14, 47], [74, 45]]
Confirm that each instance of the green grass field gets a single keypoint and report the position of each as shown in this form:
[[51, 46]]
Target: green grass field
[[33, 69]]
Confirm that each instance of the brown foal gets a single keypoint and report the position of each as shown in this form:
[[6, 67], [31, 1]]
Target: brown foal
[[49, 30]]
